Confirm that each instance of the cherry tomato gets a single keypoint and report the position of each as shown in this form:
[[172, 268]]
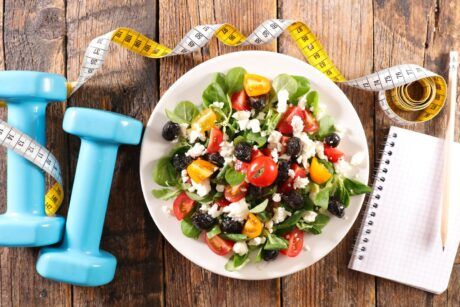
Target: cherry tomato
[[218, 245], [205, 120], [295, 238], [253, 226], [215, 138], [333, 154], [310, 123], [236, 193], [200, 170], [222, 202], [267, 151], [298, 172], [284, 125], [182, 206], [318, 172], [240, 101], [256, 85], [262, 171], [241, 166]]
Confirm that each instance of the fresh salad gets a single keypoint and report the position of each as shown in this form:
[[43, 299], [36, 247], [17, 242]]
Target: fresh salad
[[253, 167]]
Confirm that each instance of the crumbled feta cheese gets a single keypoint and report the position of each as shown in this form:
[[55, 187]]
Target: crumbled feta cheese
[[308, 149], [283, 96], [280, 214], [196, 134], [263, 133], [269, 226], [254, 125], [276, 197], [226, 151], [320, 150], [183, 129], [202, 189], [184, 176], [215, 211], [309, 216], [291, 173], [261, 116], [357, 159], [220, 188], [257, 241], [238, 211], [300, 183], [306, 248], [274, 140], [166, 209], [297, 125], [343, 167], [218, 104], [274, 154], [196, 151], [240, 248], [242, 118]]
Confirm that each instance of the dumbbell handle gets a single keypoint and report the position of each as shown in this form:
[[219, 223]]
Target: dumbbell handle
[[25, 181], [90, 194]]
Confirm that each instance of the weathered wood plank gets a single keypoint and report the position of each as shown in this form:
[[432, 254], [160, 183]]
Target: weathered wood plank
[[187, 284], [34, 39], [127, 84], [414, 33], [344, 28]]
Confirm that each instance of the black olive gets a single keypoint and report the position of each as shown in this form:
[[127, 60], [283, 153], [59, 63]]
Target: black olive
[[229, 225], [292, 200], [243, 152], [283, 171], [332, 140], [293, 147], [269, 255], [170, 131], [258, 102], [180, 161], [336, 207], [203, 221], [215, 158]]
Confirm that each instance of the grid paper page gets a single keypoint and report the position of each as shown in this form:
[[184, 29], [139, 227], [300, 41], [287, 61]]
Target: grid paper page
[[400, 235]]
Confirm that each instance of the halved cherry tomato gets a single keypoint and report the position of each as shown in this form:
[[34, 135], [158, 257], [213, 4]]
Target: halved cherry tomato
[[295, 238], [205, 120], [262, 171], [222, 202], [182, 206], [310, 123], [215, 138], [218, 245], [200, 170], [333, 154], [256, 85], [253, 226], [284, 125], [299, 171], [318, 172], [240, 101], [236, 193], [241, 166], [284, 140]]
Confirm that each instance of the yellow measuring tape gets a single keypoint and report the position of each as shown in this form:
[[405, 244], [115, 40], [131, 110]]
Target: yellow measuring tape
[[407, 93]]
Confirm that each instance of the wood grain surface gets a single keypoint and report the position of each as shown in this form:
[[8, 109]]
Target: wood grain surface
[[361, 36]]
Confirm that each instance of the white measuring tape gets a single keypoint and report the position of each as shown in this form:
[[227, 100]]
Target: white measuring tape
[[395, 85]]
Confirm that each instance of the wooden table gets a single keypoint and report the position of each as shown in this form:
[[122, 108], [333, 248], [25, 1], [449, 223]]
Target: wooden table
[[361, 36]]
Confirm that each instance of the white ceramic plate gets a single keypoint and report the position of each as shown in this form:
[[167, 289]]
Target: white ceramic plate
[[190, 87]]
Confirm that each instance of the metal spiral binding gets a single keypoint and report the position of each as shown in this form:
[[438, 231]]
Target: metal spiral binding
[[365, 232]]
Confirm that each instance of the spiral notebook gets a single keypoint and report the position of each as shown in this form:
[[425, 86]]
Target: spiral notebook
[[399, 238]]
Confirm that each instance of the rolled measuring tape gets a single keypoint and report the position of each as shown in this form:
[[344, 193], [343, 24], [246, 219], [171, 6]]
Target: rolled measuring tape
[[402, 89]]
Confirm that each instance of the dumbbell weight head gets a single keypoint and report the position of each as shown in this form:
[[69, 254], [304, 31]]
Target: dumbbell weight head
[[79, 259], [25, 223]]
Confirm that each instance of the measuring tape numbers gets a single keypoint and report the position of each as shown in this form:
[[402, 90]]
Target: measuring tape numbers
[[403, 89]]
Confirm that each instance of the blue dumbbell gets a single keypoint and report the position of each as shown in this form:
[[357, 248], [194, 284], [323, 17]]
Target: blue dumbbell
[[25, 223], [79, 260]]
